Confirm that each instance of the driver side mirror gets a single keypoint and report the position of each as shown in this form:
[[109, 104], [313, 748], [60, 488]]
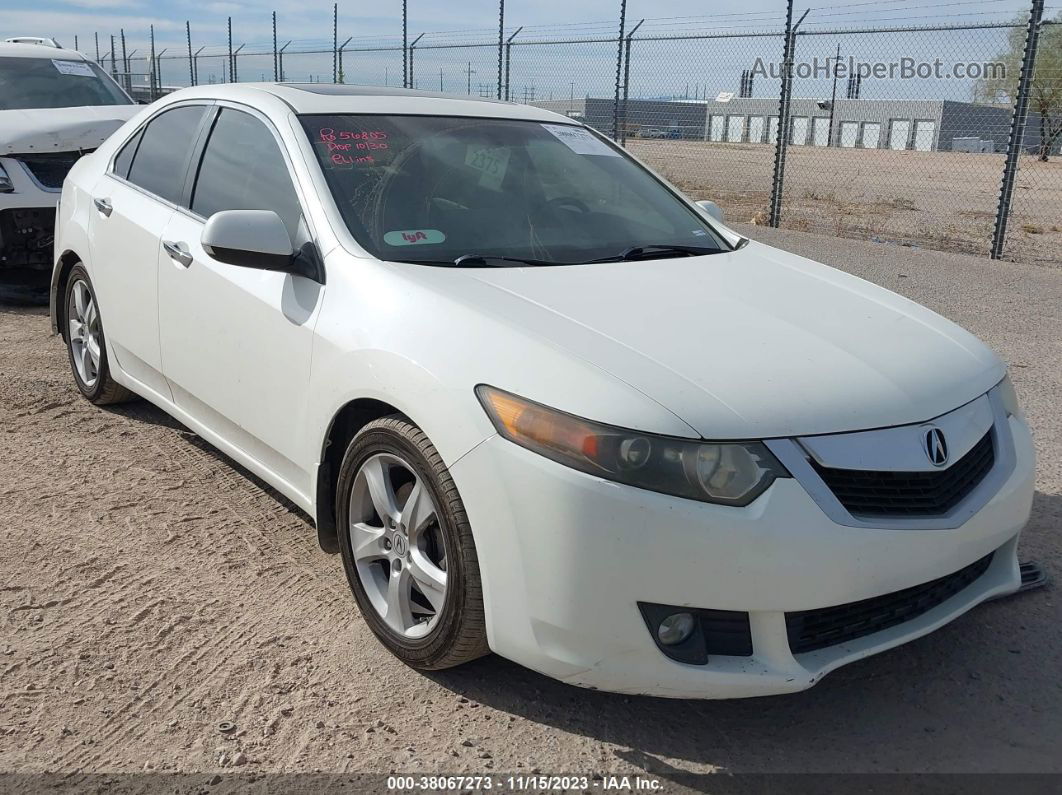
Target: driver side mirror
[[250, 239], [712, 209]]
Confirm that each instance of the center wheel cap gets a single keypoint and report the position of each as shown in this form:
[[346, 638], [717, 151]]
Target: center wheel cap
[[399, 544]]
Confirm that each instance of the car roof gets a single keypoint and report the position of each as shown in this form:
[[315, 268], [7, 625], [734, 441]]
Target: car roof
[[14, 50], [328, 98]]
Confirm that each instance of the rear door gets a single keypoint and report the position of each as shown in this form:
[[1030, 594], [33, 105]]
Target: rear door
[[237, 341], [134, 201]]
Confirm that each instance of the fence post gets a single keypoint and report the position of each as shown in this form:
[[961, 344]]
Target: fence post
[[188, 37], [405, 48], [509, 58], [230, 50], [412, 45], [1017, 129], [627, 81], [335, 42], [152, 74], [501, 40], [342, 77], [281, 60], [235, 64], [785, 95], [619, 69], [97, 35], [276, 68], [114, 68], [125, 63]]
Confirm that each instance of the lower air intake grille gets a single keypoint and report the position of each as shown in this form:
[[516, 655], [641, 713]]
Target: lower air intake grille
[[809, 630], [872, 493]]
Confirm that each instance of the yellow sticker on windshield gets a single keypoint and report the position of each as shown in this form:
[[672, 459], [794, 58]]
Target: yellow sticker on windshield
[[491, 162]]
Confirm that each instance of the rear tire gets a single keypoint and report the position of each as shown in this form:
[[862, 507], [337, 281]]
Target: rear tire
[[407, 547], [85, 344]]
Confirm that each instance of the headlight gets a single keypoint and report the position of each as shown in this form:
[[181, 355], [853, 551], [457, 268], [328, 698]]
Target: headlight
[[1009, 398], [5, 182], [728, 473]]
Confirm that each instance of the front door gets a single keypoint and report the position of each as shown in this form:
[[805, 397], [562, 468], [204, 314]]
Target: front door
[[237, 341]]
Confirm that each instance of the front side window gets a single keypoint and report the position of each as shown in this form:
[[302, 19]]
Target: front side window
[[433, 189], [159, 163], [28, 83], [243, 169]]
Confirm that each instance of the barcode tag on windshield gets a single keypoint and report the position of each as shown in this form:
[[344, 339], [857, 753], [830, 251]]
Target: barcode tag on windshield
[[580, 140], [79, 68]]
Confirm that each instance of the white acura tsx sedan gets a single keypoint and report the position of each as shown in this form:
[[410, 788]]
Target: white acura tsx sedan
[[540, 402]]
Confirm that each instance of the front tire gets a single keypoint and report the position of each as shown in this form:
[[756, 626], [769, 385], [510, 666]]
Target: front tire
[[85, 343], [407, 547]]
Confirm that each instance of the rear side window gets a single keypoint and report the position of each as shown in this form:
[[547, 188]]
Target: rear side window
[[243, 169], [125, 156], [158, 165]]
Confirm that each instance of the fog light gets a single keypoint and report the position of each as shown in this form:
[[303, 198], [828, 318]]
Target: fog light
[[675, 628]]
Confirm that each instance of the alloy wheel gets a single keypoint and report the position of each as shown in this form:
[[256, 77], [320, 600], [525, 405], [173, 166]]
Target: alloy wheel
[[398, 547], [84, 333]]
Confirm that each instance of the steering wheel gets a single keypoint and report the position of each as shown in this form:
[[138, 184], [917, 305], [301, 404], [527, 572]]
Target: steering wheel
[[567, 201]]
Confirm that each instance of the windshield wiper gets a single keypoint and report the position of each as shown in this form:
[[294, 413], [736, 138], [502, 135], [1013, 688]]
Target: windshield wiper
[[658, 251], [485, 260]]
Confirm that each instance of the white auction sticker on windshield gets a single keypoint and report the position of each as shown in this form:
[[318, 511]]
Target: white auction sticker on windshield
[[580, 140], [79, 68]]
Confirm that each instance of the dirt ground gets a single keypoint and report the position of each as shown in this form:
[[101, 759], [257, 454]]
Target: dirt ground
[[150, 591], [940, 200]]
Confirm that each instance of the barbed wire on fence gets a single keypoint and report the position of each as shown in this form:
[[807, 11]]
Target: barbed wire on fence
[[914, 157]]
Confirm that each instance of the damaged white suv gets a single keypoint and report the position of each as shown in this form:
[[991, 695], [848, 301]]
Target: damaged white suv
[[55, 106]]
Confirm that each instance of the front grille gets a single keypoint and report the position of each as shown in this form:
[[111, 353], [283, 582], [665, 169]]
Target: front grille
[[809, 630], [873, 493], [50, 168]]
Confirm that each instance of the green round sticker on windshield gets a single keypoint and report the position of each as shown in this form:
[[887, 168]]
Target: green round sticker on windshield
[[413, 237]]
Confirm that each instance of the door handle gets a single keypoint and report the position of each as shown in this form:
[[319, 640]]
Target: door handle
[[176, 252], [103, 205]]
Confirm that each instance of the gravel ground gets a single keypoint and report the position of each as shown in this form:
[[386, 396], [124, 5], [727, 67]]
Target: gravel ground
[[150, 590]]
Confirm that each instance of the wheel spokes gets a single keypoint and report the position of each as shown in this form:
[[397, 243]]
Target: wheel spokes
[[399, 605], [429, 578], [367, 542], [381, 492], [417, 511]]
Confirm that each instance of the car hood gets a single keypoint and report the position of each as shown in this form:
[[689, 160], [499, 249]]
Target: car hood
[[60, 129], [755, 343]]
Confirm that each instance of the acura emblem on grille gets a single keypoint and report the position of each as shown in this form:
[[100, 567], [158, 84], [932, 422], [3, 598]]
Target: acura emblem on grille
[[936, 447]]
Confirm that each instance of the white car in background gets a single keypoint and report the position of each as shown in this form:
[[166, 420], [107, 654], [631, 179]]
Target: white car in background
[[55, 106], [540, 402]]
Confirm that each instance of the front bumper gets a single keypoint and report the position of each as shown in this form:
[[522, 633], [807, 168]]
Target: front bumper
[[566, 558]]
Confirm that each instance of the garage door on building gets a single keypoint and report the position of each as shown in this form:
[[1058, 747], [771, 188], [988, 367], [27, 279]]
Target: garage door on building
[[717, 128], [899, 132], [735, 128], [800, 130], [755, 129], [849, 134], [772, 129], [925, 132], [820, 131], [871, 135]]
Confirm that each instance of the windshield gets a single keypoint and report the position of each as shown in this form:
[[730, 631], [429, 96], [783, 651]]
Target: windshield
[[433, 189], [29, 83]]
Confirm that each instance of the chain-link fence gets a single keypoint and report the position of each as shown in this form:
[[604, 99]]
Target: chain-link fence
[[946, 135]]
